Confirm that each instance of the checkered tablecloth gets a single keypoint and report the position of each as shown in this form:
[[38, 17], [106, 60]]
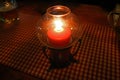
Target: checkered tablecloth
[[98, 56]]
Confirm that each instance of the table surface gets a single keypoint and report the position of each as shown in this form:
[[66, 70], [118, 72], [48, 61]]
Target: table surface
[[98, 55]]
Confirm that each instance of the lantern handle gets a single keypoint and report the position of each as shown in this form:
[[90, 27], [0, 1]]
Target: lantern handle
[[44, 48]]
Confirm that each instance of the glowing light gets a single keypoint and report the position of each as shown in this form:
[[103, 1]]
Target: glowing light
[[7, 4], [58, 25]]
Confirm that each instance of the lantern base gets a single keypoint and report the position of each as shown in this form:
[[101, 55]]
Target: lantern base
[[60, 58]]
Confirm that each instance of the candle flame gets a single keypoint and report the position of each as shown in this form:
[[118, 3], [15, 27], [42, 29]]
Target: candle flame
[[58, 25]]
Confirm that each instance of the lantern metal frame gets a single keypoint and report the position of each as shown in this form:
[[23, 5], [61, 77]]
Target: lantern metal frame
[[59, 55], [60, 58]]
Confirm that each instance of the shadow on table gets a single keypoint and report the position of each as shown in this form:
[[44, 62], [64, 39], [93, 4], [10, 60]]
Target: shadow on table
[[119, 46], [7, 73]]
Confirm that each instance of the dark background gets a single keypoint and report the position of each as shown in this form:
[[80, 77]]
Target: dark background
[[105, 4]]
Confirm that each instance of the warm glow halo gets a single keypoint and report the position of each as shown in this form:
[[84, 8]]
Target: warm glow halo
[[58, 25]]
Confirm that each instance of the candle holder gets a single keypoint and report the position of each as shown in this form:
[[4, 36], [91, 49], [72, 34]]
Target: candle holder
[[58, 30], [60, 58]]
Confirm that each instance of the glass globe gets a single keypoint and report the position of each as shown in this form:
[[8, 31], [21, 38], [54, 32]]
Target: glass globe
[[8, 13], [7, 5], [58, 28]]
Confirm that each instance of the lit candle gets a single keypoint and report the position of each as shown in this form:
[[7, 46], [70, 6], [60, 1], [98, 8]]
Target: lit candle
[[59, 36]]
